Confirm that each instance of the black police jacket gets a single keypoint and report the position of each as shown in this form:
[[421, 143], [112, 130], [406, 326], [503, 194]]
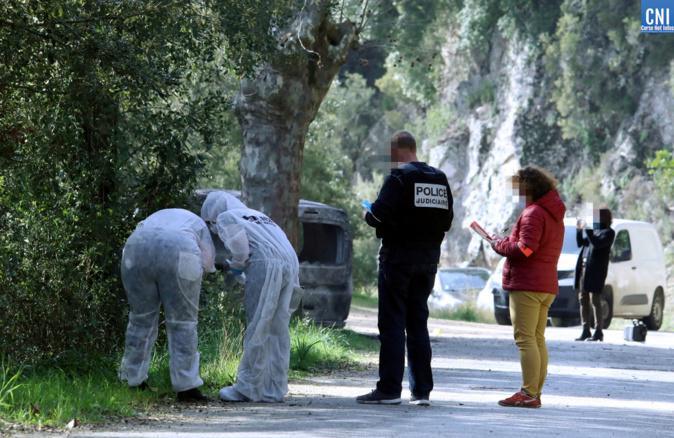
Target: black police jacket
[[412, 213]]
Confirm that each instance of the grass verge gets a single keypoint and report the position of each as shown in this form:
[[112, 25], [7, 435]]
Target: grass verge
[[320, 349], [52, 397], [365, 298], [465, 312]]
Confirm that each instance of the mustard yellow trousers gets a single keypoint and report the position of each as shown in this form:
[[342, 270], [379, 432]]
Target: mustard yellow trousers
[[529, 314]]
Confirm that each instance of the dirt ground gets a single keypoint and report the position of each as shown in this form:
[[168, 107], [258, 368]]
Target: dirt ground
[[610, 389]]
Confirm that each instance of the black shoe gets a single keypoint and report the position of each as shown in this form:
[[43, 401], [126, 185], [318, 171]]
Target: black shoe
[[420, 400], [376, 397], [598, 336], [191, 395], [586, 333], [144, 387]]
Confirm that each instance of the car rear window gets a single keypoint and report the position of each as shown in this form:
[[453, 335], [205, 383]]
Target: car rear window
[[321, 243], [463, 280]]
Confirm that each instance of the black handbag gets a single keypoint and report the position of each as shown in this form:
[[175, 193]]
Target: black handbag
[[636, 333]]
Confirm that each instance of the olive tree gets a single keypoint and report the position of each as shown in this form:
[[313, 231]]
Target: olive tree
[[277, 104]]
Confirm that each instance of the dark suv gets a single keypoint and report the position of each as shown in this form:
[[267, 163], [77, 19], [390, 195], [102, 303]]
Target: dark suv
[[325, 261]]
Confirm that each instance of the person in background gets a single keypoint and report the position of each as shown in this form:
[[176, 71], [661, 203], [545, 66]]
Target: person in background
[[163, 262], [530, 276], [591, 270], [264, 260], [411, 215]]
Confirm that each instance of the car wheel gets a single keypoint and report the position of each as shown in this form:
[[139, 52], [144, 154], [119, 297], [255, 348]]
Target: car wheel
[[502, 318], [606, 308], [654, 320]]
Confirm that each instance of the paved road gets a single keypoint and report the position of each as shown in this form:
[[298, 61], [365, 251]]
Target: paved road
[[611, 389]]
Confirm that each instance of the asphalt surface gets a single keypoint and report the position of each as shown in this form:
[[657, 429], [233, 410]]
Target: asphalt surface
[[609, 389]]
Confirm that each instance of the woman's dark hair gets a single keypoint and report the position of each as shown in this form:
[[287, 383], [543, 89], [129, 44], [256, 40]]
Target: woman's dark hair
[[534, 182], [605, 217]]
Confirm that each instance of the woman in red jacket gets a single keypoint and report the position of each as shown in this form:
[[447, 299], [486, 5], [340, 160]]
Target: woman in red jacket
[[530, 276]]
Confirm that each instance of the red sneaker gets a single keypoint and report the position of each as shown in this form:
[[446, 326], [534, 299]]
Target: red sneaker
[[521, 400]]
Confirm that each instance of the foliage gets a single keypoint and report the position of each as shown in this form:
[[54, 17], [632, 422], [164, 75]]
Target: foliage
[[365, 245], [583, 187], [335, 143], [335, 150], [662, 169], [637, 197], [8, 384], [478, 19], [100, 119], [410, 31], [482, 95], [530, 18], [465, 312], [600, 56], [221, 152]]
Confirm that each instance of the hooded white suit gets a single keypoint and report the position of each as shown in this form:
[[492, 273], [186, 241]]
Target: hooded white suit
[[260, 248], [163, 263]]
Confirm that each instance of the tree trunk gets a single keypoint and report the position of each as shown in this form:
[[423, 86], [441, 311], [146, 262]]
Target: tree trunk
[[276, 106]]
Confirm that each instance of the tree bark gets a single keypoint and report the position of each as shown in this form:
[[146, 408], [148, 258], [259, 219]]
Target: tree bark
[[277, 105]]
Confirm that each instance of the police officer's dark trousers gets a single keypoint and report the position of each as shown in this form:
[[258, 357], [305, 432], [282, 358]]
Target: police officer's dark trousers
[[403, 295]]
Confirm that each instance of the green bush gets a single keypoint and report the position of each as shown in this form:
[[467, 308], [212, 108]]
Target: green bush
[[483, 94], [104, 107], [465, 312], [598, 57]]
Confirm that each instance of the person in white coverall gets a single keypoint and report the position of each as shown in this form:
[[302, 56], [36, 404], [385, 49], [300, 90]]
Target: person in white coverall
[[163, 262], [262, 256]]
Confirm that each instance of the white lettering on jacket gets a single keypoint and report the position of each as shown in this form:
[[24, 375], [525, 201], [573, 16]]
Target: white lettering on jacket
[[431, 196]]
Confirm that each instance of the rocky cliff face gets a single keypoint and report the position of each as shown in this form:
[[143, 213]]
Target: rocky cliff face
[[504, 118]]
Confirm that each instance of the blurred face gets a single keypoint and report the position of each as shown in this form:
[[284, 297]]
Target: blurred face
[[402, 155], [518, 191], [600, 218], [395, 155], [595, 218]]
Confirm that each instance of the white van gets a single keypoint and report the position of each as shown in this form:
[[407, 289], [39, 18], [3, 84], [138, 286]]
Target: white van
[[635, 284], [637, 277]]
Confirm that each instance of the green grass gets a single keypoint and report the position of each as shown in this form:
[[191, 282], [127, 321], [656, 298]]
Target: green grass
[[315, 348], [465, 312], [365, 298], [49, 396]]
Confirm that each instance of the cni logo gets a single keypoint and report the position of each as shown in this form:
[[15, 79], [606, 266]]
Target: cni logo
[[657, 16]]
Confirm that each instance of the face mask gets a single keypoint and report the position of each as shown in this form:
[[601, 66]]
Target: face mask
[[596, 225]]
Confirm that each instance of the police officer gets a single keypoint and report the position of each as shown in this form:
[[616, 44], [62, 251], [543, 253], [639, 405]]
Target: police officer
[[411, 215]]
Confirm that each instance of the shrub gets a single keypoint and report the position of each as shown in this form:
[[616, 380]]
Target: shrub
[[100, 120]]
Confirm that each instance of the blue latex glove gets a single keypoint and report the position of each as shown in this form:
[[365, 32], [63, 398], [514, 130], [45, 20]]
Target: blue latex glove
[[367, 205], [238, 275]]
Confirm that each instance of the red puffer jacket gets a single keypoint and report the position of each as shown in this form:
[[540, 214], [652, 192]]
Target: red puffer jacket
[[532, 249]]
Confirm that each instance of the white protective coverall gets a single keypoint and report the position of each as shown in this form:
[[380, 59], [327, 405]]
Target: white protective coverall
[[260, 248], [163, 263]]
